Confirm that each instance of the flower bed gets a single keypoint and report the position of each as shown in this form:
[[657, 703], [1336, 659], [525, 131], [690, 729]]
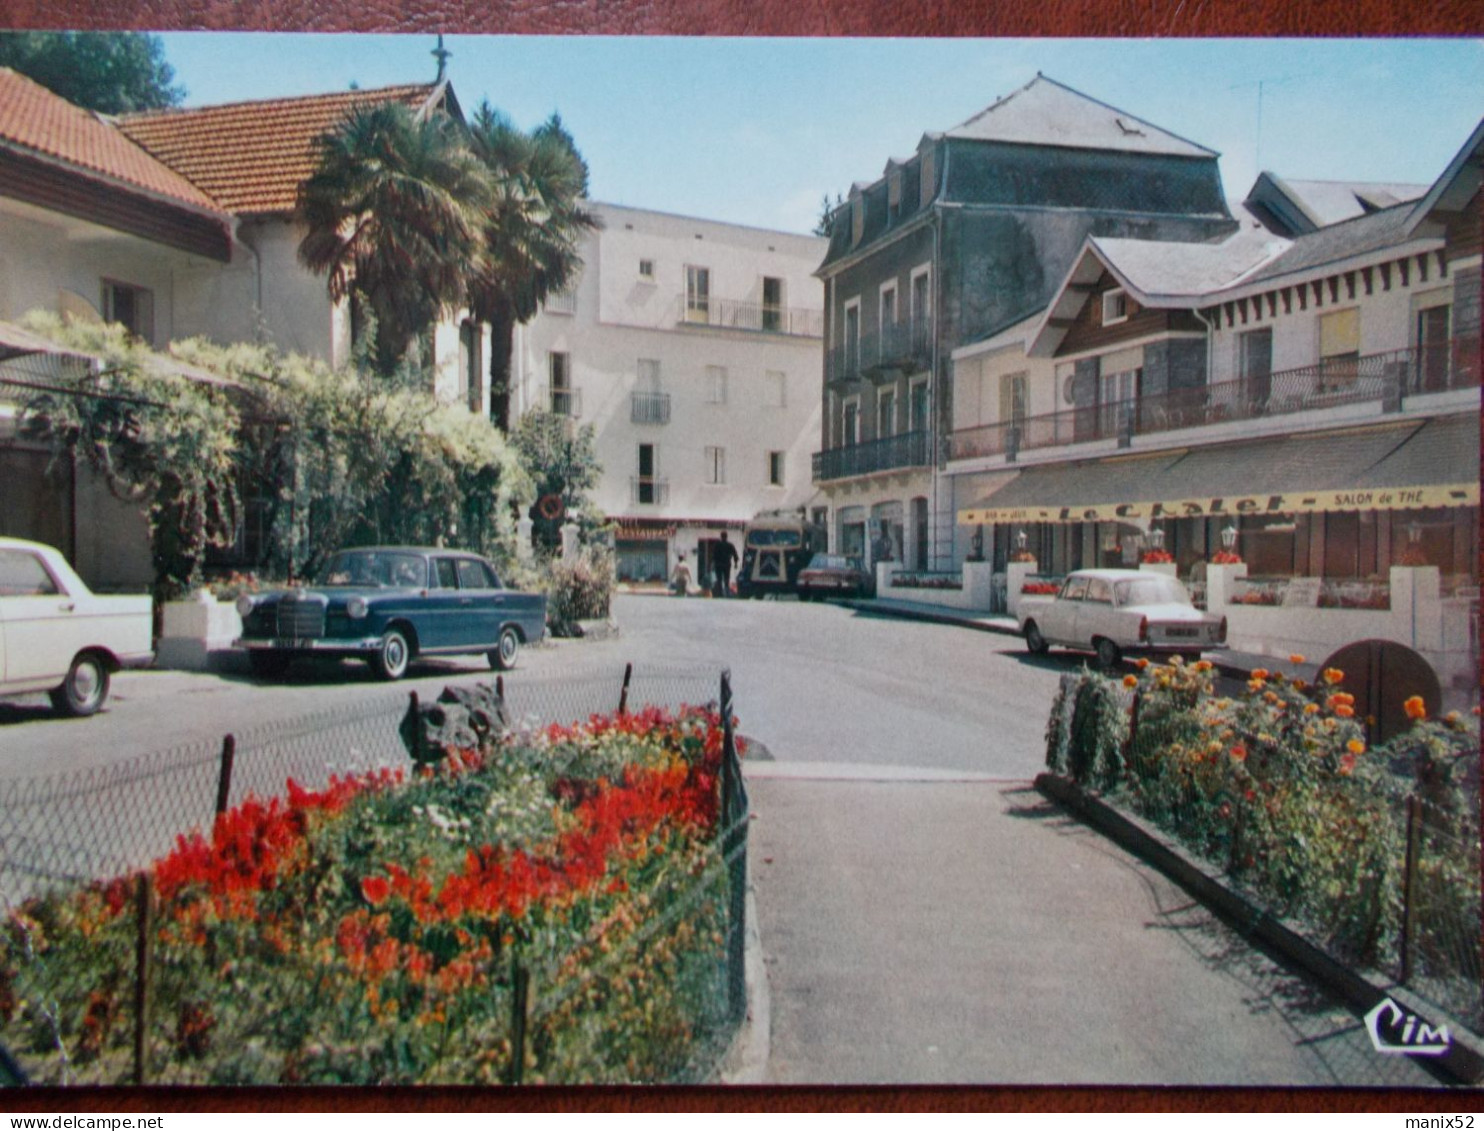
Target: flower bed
[[1278, 789], [905, 580], [375, 931], [1040, 588]]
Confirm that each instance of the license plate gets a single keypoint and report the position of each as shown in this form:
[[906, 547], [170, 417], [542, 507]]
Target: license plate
[[286, 642], [1183, 633]]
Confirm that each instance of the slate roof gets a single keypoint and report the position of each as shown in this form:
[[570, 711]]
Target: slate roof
[[35, 121], [251, 157], [1329, 202], [1341, 241], [1171, 270], [1044, 112]]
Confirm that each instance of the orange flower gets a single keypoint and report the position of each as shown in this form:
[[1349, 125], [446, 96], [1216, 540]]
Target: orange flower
[[1296, 658], [1332, 675], [1259, 673], [1130, 681], [1141, 663], [1345, 712], [1203, 665], [1239, 753], [375, 889], [1347, 763], [1355, 746], [1415, 708]]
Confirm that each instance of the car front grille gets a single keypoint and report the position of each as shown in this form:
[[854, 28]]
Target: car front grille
[[299, 618]]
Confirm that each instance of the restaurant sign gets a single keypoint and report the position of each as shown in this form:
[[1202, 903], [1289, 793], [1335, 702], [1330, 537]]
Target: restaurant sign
[[1291, 502]]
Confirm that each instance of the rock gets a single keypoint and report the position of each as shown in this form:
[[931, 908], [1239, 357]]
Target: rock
[[462, 718]]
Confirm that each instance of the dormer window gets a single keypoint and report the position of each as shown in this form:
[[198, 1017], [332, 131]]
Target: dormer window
[[857, 218], [1115, 307], [894, 193], [928, 176]]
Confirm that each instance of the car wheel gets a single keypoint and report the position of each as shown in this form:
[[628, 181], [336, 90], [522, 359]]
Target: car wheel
[[85, 689], [269, 665], [1108, 653], [502, 655], [1034, 641], [391, 659]]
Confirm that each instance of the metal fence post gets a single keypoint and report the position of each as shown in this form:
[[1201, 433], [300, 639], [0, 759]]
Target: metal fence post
[[1409, 885], [623, 696], [520, 984], [143, 945], [1133, 728], [224, 775], [732, 815]]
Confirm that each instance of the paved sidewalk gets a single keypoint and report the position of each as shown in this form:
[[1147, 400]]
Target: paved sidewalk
[[924, 928]]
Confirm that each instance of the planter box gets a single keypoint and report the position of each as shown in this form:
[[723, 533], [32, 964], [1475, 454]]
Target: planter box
[[1015, 575], [976, 592], [196, 635], [1167, 568]]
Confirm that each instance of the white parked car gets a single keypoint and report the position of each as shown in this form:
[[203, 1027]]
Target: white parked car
[[58, 636], [1113, 611]]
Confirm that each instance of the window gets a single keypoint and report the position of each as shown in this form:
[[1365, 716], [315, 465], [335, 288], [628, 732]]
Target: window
[[716, 384], [927, 177], [775, 389], [1115, 307], [775, 469], [561, 302], [697, 294], [474, 575], [894, 194], [1118, 385], [922, 312], [852, 334], [716, 466], [23, 575], [857, 218], [646, 270], [772, 303], [646, 485], [1339, 347], [851, 423], [1013, 405], [888, 310], [886, 412], [1255, 362], [131, 307], [1432, 349], [559, 372], [917, 406]]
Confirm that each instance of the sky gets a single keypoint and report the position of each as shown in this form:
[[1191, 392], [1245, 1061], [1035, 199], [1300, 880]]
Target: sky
[[757, 131]]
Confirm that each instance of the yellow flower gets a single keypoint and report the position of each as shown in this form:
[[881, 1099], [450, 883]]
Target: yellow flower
[[1311, 708], [1355, 746], [1255, 684]]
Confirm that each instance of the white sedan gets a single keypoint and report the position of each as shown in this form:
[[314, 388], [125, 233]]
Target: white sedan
[[57, 636], [1113, 611]]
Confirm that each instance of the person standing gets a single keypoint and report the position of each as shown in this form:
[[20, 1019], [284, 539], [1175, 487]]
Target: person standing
[[723, 558]]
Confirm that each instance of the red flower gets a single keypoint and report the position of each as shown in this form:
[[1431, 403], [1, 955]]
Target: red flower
[[375, 889]]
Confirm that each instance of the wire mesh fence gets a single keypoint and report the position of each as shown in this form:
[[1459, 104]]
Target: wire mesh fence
[[75, 854], [1383, 876]]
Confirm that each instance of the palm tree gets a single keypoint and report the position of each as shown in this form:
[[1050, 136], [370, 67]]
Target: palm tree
[[396, 212], [532, 234]]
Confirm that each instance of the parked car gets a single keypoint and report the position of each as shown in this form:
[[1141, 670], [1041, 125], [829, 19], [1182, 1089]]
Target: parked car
[[389, 605], [58, 636], [833, 575], [1114, 611]]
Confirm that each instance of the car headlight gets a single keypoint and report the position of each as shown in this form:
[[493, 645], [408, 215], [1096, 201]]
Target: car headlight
[[356, 608], [245, 605]]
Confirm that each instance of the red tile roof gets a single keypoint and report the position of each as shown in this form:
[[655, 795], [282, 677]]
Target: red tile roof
[[252, 156], [33, 120]]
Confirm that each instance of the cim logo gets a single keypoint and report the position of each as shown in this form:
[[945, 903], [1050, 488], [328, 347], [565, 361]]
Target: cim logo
[[1395, 1031]]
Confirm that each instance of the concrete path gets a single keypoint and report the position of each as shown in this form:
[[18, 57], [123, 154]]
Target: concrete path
[[920, 929]]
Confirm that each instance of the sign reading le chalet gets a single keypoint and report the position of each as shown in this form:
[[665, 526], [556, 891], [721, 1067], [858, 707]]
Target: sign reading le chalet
[[1294, 502]]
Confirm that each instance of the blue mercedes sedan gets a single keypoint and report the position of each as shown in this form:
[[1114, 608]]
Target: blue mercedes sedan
[[389, 605]]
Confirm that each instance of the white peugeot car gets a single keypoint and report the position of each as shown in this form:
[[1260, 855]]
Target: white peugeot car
[[58, 636], [1113, 611]]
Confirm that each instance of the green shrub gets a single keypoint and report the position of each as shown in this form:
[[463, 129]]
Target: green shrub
[[580, 589]]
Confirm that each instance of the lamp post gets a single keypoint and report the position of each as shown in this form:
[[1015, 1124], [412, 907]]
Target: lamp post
[[1156, 539], [1229, 538], [1020, 540]]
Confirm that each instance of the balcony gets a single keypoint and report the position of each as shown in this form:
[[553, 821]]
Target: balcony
[[909, 449], [756, 317], [566, 402], [649, 408], [647, 490], [897, 347], [1385, 377]]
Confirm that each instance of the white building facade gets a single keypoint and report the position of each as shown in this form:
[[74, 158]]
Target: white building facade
[[692, 347]]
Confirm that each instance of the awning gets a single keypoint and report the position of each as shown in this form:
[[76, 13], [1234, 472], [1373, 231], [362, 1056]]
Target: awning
[[1434, 463]]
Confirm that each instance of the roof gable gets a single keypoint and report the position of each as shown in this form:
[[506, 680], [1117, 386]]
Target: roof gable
[[1044, 112], [39, 123], [253, 156]]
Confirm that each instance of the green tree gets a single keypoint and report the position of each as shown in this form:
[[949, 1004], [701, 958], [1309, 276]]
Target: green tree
[[112, 72], [563, 464], [395, 215], [532, 234], [824, 225]]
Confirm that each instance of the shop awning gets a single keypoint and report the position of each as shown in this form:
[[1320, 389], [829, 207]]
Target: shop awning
[[1434, 463]]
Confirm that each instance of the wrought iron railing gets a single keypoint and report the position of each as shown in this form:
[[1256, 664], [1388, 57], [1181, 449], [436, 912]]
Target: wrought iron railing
[[1384, 376], [909, 449], [760, 317], [650, 408], [646, 490], [566, 402]]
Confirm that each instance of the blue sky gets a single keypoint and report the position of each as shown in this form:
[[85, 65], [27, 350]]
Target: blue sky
[[756, 130]]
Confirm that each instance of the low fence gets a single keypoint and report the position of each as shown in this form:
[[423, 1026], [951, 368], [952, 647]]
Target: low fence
[[101, 829], [1381, 869]]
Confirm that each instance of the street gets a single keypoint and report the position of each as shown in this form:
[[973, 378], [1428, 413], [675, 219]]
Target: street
[[924, 915]]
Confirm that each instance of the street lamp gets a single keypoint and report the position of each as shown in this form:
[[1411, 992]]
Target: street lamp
[[1229, 538], [1156, 539], [1020, 540]]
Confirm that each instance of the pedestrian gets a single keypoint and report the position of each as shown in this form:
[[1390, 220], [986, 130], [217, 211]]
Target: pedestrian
[[723, 558], [680, 579]]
